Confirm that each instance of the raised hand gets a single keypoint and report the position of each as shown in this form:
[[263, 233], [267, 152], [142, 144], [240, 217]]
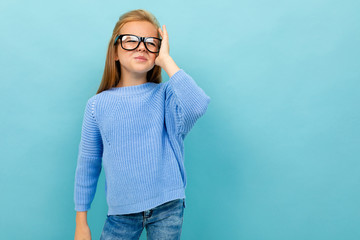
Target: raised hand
[[163, 59], [164, 48]]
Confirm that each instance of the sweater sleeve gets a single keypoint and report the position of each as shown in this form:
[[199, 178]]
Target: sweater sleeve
[[186, 101], [89, 160]]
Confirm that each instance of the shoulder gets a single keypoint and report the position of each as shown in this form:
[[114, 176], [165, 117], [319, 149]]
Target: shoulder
[[97, 98], [95, 102]]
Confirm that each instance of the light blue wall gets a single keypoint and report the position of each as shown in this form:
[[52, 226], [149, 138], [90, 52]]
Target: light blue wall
[[276, 156]]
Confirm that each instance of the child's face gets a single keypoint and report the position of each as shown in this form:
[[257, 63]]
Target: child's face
[[127, 58]]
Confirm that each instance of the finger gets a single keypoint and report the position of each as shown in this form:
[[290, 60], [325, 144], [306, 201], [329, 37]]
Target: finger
[[165, 31]]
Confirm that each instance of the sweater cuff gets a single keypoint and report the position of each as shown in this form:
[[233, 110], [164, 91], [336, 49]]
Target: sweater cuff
[[82, 208]]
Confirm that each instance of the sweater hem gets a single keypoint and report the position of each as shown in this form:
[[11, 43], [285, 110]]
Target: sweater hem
[[147, 204]]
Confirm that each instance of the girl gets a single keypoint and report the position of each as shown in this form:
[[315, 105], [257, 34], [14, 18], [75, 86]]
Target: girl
[[134, 128]]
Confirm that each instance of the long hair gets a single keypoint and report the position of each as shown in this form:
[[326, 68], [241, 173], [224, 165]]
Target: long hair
[[112, 70]]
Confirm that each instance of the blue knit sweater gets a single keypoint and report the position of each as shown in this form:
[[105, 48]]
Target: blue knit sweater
[[136, 134]]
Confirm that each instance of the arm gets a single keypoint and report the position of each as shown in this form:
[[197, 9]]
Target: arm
[[88, 165], [89, 159], [185, 100], [170, 66], [81, 218], [82, 230]]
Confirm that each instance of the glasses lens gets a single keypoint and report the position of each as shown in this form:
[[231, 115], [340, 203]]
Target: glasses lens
[[153, 44], [129, 42]]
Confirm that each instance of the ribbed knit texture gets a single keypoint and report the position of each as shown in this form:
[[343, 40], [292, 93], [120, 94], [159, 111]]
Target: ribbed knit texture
[[136, 134]]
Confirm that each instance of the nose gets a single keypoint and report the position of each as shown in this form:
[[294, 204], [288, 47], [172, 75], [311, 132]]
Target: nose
[[141, 47]]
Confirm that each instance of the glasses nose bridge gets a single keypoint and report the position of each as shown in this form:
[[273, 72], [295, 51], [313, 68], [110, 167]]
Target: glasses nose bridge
[[142, 39]]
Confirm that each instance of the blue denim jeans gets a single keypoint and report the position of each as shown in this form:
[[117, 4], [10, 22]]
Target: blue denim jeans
[[162, 222]]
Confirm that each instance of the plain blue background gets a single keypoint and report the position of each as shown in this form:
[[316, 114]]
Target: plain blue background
[[276, 156]]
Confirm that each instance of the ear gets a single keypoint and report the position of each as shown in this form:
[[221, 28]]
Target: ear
[[116, 58]]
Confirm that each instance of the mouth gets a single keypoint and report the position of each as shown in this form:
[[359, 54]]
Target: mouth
[[141, 58]]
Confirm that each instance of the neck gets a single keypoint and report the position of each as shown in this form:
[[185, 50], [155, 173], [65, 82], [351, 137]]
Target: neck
[[131, 78]]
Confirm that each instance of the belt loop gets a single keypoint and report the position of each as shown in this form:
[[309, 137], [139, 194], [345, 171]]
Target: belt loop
[[184, 202]]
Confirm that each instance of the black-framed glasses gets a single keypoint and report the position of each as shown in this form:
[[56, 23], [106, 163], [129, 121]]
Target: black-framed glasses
[[131, 42]]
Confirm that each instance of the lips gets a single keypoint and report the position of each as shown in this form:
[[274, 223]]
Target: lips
[[141, 57]]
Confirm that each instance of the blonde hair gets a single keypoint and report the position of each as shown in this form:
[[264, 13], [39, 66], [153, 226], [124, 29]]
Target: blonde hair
[[112, 72]]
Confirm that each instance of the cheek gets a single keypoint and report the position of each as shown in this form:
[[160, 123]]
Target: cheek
[[124, 56], [153, 57]]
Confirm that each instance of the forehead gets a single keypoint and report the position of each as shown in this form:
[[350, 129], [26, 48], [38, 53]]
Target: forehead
[[139, 28]]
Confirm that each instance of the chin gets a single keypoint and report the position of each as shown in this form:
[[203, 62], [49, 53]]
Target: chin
[[142, 69]]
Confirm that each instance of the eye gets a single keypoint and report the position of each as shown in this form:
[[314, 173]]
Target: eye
[[151, 42], [129, 39]]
